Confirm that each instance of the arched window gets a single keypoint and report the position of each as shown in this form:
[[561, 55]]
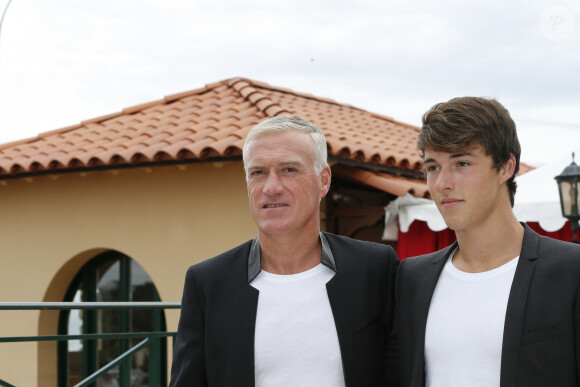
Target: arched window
[[111, 276]]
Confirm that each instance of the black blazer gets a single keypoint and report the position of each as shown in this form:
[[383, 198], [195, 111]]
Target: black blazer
[[215, 338], [541, 341]]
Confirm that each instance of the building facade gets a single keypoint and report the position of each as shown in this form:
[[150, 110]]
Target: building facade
[[117, 208]]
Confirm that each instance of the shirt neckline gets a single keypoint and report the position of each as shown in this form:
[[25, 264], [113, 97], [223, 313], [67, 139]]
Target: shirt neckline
[[255, 263], [454, 271]]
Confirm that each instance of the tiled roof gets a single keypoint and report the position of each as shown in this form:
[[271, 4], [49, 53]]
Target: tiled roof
[[395, 185], [211, 123]]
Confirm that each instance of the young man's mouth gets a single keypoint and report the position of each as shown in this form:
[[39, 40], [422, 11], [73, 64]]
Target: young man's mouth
[[449, 203]]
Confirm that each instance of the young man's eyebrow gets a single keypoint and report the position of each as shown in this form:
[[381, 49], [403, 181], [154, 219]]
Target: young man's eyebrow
[[459, 155], [452, 156]]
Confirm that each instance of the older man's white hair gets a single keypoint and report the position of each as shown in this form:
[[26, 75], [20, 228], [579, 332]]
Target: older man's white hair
[[283, 124]]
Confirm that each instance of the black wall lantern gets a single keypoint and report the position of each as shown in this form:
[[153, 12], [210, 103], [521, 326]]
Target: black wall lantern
[[568, 182]]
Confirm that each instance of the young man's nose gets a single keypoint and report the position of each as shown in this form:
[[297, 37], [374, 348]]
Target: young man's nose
[[444, 180]]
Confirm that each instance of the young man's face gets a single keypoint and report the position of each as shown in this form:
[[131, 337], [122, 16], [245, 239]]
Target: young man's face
[[466, 187], [283, 188]]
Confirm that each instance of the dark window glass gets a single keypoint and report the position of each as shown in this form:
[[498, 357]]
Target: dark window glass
[[111, 277]]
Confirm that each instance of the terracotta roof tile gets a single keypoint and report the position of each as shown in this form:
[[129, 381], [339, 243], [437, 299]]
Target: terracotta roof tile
[[174, 149], [150, 152], [176, 136], [212, 122]]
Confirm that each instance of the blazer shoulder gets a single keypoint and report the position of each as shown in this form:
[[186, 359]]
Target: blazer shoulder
[[340, 239], [341, 245], [420, 261], [236, 256], [557, 252]]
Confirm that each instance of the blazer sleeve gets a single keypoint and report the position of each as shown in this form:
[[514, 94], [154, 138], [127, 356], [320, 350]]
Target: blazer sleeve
[[188, 368]]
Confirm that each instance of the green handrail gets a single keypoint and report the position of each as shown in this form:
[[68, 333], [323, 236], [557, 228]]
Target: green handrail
[[150, 337], [87, 336], [6, 384], [112, 364], [87, 305]]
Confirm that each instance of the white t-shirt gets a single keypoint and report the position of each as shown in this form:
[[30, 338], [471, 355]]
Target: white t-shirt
[[464, 334], [296, 344]]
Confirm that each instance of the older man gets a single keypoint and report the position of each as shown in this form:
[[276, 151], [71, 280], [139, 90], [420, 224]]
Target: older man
[[294, 306]]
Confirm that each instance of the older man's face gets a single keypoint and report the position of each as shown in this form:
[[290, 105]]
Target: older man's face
[[283, 188]]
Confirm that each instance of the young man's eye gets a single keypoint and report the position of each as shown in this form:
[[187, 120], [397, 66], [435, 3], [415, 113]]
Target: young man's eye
[[430, 168], [463, 163]]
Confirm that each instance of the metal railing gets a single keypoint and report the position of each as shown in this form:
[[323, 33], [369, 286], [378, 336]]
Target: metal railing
[[149, 337]]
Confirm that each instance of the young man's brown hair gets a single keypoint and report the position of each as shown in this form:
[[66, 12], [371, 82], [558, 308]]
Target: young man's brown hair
[[465, 122]]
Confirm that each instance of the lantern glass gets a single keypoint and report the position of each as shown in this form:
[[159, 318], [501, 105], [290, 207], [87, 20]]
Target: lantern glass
[[569, 198]]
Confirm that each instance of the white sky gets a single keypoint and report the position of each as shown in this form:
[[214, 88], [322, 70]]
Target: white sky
[[65, 61]]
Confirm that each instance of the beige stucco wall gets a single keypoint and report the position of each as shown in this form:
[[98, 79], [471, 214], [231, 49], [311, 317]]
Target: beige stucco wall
[[166, 218]]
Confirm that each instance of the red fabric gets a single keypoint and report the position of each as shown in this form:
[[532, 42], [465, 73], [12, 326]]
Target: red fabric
[[421, 240], [563, 234]]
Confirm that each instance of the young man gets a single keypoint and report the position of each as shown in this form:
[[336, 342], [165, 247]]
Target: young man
[[501, 306], [293, 307]]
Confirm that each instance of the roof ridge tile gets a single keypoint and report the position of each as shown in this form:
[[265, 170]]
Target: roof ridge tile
[[177, 96], [139, 108], [262, 101], [98, 120]]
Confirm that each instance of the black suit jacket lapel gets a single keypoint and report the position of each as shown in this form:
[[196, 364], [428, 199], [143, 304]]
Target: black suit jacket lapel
[[240, 300], [425, 288], [514, 318], [248, 306], [338, 296], [345, 300]]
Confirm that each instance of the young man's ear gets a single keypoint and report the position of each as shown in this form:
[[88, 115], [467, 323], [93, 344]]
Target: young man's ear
[[508, 168]]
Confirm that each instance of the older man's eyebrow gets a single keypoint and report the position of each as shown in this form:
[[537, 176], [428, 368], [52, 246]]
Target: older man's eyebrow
[[291, 164]]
